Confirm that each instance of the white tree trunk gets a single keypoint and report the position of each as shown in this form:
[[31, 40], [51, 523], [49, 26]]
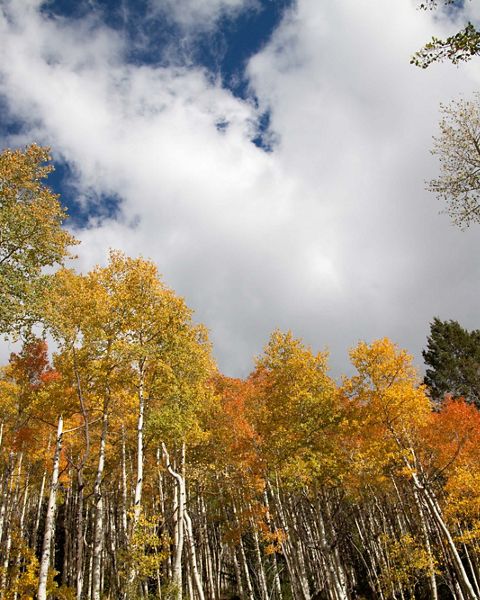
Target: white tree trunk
[[98, 526], [137, 503], [50, 518], [437, 517], [177, 565], [193, 556]]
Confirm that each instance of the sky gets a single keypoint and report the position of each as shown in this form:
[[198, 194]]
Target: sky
[[270, 156]]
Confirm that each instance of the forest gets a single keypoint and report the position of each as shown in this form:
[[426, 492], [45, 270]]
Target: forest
[[130, 467]]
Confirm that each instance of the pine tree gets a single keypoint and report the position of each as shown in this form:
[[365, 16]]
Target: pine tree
[[453, 361]]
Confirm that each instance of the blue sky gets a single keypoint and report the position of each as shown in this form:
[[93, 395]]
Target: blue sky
[[269, 155], [155, 38]]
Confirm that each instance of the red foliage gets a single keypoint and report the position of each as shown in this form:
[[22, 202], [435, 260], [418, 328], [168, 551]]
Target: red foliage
[[31, 367]]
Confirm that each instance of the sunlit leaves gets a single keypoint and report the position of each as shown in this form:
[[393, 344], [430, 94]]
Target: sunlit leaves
[[408, 563], [459, 47], [296, 406], [31, 236]]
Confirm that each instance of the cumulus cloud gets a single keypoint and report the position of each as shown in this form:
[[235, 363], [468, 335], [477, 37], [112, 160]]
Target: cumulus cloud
[[331, 234]]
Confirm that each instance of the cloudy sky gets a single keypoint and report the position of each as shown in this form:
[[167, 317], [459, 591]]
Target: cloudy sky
[[269, 155]]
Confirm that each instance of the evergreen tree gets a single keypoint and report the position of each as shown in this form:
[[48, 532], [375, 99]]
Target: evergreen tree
[[453, 361]]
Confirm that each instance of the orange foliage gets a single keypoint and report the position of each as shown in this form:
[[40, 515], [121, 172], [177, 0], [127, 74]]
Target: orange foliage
[[234, 435], [452, 436]]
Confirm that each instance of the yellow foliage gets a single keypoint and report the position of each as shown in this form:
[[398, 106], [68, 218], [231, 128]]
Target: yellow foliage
[[408, 562], [146, 551]]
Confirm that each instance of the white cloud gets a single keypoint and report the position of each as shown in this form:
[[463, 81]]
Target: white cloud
[[331, 234], [193, 15]]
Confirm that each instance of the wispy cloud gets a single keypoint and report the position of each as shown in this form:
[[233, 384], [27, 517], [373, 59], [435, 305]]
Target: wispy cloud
[[194, 17]]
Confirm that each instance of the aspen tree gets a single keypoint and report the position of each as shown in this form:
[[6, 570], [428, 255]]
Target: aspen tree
[[31, 236]]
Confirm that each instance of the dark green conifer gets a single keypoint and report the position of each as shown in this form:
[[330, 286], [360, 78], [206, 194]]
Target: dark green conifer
[[452, 357]]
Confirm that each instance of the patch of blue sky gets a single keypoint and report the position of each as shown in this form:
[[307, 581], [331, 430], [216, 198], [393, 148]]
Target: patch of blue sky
[[227, 50], [91, 209], [152, 38], [265, 137], [9, 125]]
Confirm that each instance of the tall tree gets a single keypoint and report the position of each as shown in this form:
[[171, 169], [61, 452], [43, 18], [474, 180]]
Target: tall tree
[[452, 357], [31, 234]]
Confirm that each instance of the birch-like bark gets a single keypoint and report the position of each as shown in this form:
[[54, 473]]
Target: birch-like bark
[[437, 517], [271, 525], [6, 492], [432, 577], [262, 580], [472, 569], [98, 534], [124, 485], [207, 553], [40, 501], [243, 557], [8, 543], [137, 502], [329, 562], [193, 556], [50, 518], [287, 544], [21, 532], [177, 565], [238, 573], [298, 553]]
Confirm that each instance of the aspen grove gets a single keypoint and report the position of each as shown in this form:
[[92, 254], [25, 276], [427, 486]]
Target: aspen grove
[[131, 468]]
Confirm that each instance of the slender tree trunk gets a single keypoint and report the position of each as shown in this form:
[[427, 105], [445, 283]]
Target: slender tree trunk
[[262, 580], [177, 566], [79, 536], [426, 537], [137, 503], [243, 557], [98, 534], [21, 534], [6, 492], [437, 516], [40, 502], [124, 485], [271, 525], [193, 556], [50, 518]]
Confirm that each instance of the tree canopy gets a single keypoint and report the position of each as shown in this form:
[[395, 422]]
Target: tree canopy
[[131, 468], [31, 234]]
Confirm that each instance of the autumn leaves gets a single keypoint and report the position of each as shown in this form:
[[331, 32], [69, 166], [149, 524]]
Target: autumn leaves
[[131, 468]]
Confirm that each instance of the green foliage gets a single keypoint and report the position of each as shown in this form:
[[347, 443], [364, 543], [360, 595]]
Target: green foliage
[[453, 360], [459, 47], [31, 235]]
